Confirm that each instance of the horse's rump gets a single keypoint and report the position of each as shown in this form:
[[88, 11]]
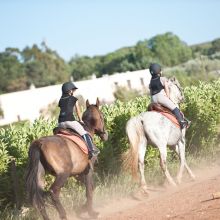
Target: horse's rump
[[73, 136], [164, 111]]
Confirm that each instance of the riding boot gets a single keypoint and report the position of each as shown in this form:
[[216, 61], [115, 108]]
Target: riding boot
[[93, 151], [183, 123]]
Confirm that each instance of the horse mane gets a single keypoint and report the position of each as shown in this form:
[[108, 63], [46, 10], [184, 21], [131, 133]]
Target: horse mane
[[175, 81]]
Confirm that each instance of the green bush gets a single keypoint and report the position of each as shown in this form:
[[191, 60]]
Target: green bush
[[116, 117], [14, 144], [202, 106]]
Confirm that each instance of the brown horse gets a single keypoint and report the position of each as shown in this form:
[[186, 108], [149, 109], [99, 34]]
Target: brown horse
[[62, 158]]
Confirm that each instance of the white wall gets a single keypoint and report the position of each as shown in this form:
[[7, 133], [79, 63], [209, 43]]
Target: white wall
[[27, 104]]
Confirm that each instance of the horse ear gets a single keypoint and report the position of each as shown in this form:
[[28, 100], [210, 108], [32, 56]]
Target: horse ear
[[87, 103], [173, 79], [97, 102]]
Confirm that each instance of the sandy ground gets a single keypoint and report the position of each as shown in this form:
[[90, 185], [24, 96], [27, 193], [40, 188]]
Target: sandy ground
[[191, 200]]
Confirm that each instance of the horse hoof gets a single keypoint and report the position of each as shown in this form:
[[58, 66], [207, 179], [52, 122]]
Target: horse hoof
[[93, 214], [174, 185], [140, 194], [144, 191], [193, 177]]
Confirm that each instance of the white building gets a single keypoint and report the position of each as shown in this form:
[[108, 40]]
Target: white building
[[26, 105]]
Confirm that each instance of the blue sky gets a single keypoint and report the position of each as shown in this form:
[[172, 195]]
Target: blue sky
[[96, 27]]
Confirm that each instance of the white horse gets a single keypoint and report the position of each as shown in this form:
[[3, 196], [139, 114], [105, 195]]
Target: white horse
[[155, 129]]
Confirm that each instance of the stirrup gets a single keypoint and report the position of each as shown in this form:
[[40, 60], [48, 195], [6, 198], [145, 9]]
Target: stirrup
[[95, 152], [183, 124], [188, 122]]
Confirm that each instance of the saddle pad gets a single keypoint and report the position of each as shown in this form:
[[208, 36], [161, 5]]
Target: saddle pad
[[77, 140], [171, 117]]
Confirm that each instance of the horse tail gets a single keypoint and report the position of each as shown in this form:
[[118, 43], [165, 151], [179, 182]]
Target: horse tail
[[34, 176], [134, 130]]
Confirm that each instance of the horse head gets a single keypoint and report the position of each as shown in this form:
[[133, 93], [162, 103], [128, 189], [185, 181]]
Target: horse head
[[176, 93], [94, 120]]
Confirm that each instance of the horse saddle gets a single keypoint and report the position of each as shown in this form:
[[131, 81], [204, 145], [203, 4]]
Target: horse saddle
[[73, 136], [164, 111]]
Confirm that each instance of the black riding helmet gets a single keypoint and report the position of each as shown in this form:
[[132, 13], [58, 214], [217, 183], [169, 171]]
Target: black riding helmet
[[67, 86], [155, 69]]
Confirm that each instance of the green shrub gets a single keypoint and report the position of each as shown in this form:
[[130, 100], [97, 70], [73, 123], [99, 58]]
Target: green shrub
[[116, 117], [14, 144], [202, 106]]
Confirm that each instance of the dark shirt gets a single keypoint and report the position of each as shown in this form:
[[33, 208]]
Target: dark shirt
[[155, 85], [66, 105]]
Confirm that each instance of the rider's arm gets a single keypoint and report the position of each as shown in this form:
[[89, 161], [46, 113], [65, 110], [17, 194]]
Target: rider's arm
[[78, 111]]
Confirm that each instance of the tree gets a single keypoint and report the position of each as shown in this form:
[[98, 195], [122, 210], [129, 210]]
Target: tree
[[143, 56], [44, 67], [169, 49], [83, 67], [11, 71], [119, 61], [216, 45]]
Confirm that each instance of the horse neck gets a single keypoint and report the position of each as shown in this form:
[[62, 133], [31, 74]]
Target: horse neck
[[89, 129], [87, 123], [173, 96]]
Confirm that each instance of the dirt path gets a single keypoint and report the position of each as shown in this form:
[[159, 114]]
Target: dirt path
[[191, 200]]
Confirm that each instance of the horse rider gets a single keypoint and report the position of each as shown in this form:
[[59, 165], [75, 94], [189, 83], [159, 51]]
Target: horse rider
[[68, 103], [159, 92]]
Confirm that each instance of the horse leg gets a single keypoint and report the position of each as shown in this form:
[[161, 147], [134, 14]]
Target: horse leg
[[186, 165], [44, 214], [55, 192], [180, 150], [141, 155], [163, 164], [89, 193], [190, 171]]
